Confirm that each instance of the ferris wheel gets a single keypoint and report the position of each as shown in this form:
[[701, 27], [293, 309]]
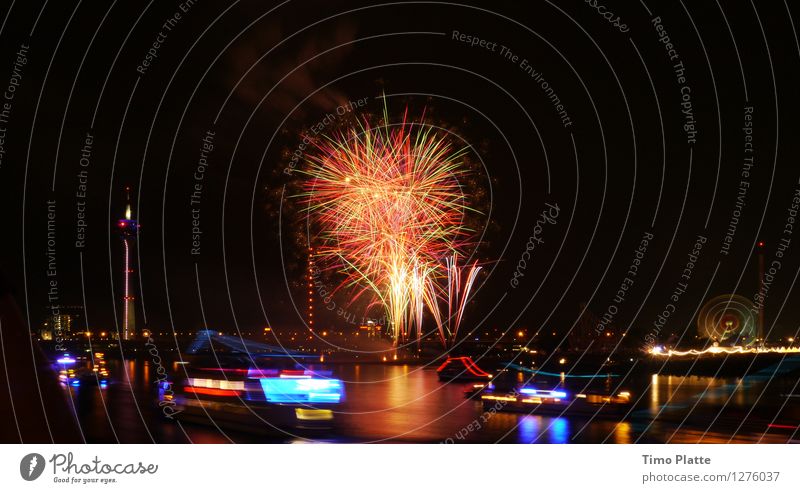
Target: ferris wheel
[[728, 317]]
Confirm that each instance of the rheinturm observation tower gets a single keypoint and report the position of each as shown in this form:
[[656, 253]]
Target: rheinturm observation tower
[[128, 230]]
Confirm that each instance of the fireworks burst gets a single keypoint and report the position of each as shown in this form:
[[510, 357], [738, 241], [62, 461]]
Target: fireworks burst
[[458, 290], [390, 209]]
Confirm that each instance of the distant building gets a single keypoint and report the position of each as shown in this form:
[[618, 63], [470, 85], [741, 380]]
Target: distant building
[[593, 333], [62, 322]]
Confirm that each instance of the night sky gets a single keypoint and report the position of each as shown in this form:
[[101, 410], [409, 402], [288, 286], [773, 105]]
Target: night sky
[[256, 77]]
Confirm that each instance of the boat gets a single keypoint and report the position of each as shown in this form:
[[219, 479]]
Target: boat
[[546, 400], [75, 371], [461, 368], [246, 385], [546, 394]]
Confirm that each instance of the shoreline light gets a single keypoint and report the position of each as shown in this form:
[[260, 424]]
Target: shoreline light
[[660, 351]]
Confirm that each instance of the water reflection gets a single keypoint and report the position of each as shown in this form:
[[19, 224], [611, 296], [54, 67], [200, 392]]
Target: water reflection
[[622, 433], [559, 431], [655, 389], [401, 403], [529, 428]]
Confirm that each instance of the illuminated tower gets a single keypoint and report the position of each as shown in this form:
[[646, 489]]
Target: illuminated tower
[[760, 322], [128, 229], [311, 273]]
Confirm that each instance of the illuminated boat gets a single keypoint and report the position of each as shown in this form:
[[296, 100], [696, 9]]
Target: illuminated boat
[[238, 384], [99, 368], [548, 401], [73, 372], [461, 368], [67, 374]]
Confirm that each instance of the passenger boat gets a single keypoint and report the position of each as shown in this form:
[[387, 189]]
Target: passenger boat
[[239, 384], [556, 400], [461, 368]]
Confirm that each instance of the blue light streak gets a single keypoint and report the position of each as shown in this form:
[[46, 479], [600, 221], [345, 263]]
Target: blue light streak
[[557, 394], [302, 390]]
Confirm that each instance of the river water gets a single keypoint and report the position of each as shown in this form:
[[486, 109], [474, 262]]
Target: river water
[[403, 403]]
